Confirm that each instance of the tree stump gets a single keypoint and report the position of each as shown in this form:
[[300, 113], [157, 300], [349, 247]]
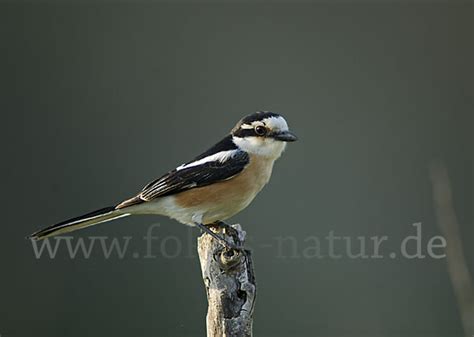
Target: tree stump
[[230, 283]]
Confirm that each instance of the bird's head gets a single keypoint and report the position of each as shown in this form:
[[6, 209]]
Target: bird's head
[[262, 133]]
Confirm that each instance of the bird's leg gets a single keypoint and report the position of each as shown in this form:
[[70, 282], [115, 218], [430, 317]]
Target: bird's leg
[[224, 242]]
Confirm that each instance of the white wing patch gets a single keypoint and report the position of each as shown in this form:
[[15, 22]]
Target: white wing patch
[[219, 156]]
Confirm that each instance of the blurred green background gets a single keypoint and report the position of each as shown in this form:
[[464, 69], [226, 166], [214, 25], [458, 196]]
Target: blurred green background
[[97, 100]]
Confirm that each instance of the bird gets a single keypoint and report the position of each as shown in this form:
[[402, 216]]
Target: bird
[[207, 190]]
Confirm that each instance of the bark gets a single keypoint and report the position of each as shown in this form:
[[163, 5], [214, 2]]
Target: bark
[[230, 283]]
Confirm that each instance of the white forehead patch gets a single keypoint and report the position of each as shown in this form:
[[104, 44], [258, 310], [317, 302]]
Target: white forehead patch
[[273, 123], [276, 123]]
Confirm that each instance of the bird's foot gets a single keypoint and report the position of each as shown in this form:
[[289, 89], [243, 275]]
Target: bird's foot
[[223, 241], [221, 224]]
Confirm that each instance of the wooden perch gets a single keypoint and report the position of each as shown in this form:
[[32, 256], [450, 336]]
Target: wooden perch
[[230, 283]]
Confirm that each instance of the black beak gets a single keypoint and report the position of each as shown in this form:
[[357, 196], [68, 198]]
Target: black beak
[[285, 136]]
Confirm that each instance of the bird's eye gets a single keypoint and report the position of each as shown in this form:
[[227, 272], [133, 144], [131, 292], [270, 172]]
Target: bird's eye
[[260, 130]]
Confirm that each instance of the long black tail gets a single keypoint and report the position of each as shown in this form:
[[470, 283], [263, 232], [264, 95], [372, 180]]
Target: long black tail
[[86, 220]]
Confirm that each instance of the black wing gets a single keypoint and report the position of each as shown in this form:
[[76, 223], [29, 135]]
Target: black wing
[[189, 177]]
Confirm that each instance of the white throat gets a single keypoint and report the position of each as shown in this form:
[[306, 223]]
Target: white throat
[[266, 147]]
